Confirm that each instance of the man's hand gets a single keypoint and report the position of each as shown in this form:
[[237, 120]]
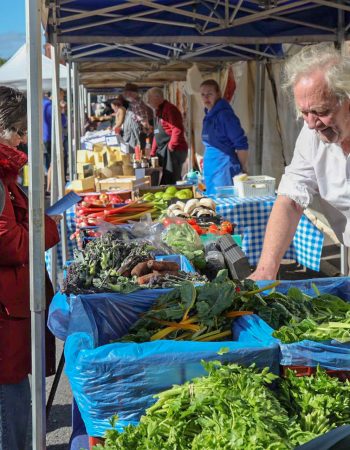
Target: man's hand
[[262, 274]]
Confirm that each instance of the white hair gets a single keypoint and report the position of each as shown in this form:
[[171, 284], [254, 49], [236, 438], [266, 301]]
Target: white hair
[[156, 91], [323, 57]]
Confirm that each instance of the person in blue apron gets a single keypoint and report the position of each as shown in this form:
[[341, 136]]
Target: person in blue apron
[[169, 142], [225, 142]]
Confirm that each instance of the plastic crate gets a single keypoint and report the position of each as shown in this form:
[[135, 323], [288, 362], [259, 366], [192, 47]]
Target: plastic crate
[[305, 371], [255, 186], [94, 441]]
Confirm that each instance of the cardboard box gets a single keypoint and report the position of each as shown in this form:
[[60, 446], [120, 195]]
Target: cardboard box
[[123, 182], [86, 170], [85, 184], [114, 154], [85, 156], [113, 170]]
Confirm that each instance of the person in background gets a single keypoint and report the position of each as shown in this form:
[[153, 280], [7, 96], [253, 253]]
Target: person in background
[[15, 354], [169, 142], [319, 77], [118, 115], [226, 145], [141, 115], [47, 133]]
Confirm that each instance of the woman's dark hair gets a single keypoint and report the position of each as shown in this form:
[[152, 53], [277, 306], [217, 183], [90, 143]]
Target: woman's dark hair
[[211, 83], [13, 108]]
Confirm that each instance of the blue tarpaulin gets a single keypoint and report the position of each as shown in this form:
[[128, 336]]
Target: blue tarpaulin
[[331, 355]]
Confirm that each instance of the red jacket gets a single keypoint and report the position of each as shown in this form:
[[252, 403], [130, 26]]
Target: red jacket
[[171, 121], [14, 270]]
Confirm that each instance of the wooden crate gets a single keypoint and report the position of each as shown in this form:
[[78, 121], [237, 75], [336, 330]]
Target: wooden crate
[[123, 182]]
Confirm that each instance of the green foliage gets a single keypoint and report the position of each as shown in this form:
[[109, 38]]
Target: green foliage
[[235, 408]]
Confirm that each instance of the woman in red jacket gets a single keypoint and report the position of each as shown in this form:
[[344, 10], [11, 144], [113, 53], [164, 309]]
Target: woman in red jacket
[[15, 357]]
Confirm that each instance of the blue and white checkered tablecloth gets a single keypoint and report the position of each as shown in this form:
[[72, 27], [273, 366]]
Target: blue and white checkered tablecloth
[[251, 215], [71, 227]]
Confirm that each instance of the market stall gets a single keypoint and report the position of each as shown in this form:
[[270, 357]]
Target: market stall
[[234, 17]]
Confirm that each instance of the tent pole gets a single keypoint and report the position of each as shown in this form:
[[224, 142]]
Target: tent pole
[[341, 27], [259, 115], [54, 193], [81, 106], [36, 220], [189, 132], [76, 114], [69, 120], [89, 104], [59, 143]]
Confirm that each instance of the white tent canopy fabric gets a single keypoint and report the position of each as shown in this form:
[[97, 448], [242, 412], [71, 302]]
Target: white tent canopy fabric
[[14, 72]]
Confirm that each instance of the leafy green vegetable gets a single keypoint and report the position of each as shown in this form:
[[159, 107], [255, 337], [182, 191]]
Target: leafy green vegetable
[[235, 408], [184, 240], [231, 408]]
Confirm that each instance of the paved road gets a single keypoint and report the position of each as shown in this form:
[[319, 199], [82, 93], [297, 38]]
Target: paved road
[[59, 424]]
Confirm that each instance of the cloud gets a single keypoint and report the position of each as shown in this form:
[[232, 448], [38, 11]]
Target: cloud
[[10, 43]]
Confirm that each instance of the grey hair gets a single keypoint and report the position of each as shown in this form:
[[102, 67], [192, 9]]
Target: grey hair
[[13, 110], [324, 57], [155, 91]]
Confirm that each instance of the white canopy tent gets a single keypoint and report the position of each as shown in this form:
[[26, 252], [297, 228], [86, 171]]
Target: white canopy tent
[[14, 72]]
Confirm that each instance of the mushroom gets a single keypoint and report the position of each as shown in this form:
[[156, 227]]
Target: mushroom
[[180, 205], [191, 205], [179, 213], [205, 212], [172, 207], [207, 203]]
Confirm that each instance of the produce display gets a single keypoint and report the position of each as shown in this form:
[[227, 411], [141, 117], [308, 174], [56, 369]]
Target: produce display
[[183, 239], [238, 408], [168, 194], [204, 207], [110, 264], [202, 313]]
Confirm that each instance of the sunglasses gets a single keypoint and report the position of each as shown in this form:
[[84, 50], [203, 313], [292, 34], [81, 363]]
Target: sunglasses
[[20, 131]]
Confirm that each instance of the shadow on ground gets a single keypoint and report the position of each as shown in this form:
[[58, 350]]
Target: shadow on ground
[[60, 416]]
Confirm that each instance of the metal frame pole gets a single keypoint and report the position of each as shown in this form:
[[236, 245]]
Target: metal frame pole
[[189, 131], [82, 109], [56, 110], [54, 193], [259, 116], [89, 112], [71, 158], [36, 220], [76, 114]]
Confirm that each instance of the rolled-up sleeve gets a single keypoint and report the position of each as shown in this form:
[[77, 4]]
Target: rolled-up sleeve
[[299, 182]]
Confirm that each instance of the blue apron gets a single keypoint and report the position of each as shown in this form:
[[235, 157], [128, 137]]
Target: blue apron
[[219, 168]]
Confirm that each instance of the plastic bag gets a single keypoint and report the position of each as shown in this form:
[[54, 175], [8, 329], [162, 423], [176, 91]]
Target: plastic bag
[[330, 355], [183, 239]]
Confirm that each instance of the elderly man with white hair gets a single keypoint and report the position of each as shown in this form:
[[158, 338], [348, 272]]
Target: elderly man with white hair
[[320, 168], [169, 142]]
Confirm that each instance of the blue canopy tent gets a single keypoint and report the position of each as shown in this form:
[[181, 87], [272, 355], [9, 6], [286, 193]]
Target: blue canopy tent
[[139, 34]]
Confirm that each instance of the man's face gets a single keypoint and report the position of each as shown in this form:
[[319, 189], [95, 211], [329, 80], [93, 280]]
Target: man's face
[[321, 109], [154, 100]]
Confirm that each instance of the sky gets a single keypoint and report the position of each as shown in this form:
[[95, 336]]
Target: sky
[[12, 27]]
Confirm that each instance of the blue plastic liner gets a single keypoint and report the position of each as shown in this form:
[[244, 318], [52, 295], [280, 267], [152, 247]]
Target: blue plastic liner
[[330, 354], [102, 306], [337, 439], [122, 378]]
